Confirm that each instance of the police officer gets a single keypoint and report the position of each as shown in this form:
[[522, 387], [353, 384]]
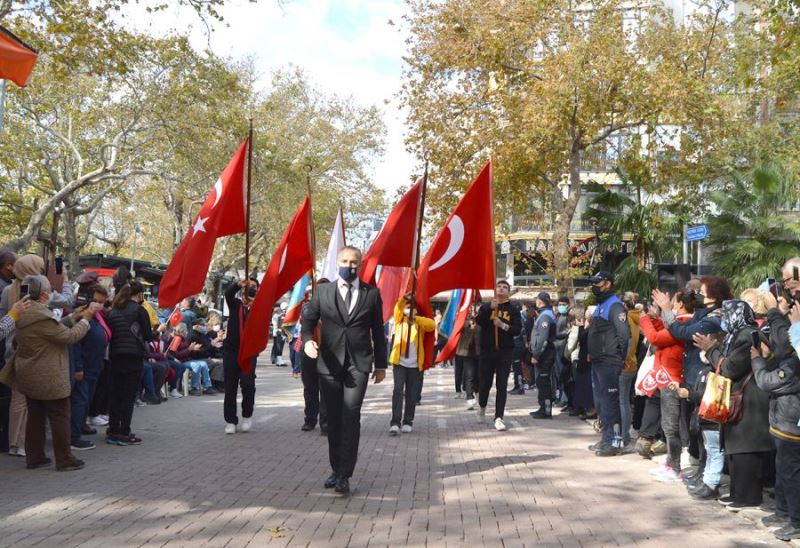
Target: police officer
[[608, 339], [543, 354]]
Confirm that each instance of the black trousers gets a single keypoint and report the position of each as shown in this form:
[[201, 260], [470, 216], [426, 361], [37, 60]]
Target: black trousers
[[277, 347], [494, 366], [747, 477], [459, 373], [470, 384], [102, 393], [787, 481], [544, 380], [233, 379], [312, 393], [405, 388], [126, 374], [651, 420], [344, 391]]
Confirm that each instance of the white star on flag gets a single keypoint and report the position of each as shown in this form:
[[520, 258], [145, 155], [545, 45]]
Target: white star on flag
[[199, 226]]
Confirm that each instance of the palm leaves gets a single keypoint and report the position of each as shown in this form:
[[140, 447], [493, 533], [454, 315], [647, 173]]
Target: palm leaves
[[621, 213], [752, 235]]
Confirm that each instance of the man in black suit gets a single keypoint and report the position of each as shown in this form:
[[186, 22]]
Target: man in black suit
[[351, 339]]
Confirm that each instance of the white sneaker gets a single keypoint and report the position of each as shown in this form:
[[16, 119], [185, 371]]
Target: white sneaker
[[175, 394], [458, 396], [667, 475], [394, 430], [471, 404], [407, 429], [20, 451], [482, 414], [12, 451], [139, 403], [99, 420], [247, 424], [499, 425], [230, 428], [659, 470]]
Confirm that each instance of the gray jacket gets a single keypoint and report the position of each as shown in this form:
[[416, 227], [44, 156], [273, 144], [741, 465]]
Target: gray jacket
[[783, 386]]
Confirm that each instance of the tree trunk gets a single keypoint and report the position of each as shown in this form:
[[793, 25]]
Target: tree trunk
[[563, 220], [71, 245]]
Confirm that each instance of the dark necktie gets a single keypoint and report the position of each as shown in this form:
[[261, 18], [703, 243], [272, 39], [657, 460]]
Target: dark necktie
[[348, 299]]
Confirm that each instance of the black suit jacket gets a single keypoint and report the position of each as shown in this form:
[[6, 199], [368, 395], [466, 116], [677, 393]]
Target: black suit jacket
[[360, 336]]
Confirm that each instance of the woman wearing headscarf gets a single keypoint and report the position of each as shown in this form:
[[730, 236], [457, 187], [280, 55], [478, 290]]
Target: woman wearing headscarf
[[747, 442], [27, 265]]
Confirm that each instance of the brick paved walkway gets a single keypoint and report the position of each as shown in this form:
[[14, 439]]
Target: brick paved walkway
[[453, 482]]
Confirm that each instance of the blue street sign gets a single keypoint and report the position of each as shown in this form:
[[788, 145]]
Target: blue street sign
[[696, 233]]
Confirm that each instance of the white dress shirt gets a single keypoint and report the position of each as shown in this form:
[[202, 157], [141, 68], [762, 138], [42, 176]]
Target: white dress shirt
[[342, 286]]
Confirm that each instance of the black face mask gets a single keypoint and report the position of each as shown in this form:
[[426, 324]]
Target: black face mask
[[347, 273], [596, 290]]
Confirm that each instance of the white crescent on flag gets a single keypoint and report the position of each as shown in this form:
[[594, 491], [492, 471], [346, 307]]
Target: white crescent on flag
[[283, 259], [456, 228], [217, 192]]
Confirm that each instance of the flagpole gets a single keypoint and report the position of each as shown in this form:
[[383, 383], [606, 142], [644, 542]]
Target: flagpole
[[341, 215], [415, 258], [313, 235], [247, 221]]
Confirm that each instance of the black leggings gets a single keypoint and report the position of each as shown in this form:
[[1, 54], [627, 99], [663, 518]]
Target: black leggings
[[126, 373], [747, 477]]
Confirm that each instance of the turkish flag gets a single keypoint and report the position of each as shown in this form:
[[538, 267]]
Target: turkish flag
[[293, 258], [449, 349], [392, 281], [449, 263], [394, 245], [16, 59], [222, 214]]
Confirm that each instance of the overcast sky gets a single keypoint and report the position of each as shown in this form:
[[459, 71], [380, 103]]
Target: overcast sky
[[346, 47]]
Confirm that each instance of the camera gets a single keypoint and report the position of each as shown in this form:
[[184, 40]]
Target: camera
[[82, 298]]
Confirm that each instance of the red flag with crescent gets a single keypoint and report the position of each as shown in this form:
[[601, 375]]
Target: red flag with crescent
[[463, 253], [223, 213], [292, 260], [394, 244]]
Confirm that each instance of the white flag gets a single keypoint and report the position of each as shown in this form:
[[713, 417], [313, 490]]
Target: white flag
[[330, 269]]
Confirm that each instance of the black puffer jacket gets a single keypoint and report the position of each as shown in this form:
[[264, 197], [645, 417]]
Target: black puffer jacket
[[130, 330], [751, 434], [783, 386]]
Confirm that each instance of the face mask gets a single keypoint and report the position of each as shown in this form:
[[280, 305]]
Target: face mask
[[347, 273], [203, 329], [724, 326], [406, 312], [596, 290], [562, 309]]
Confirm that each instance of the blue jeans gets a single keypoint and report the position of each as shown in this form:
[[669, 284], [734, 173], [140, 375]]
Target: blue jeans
[[626, 381], [199, 372], [607, 389], [715, 458], [179, 369], [147, 379], [79, 404]]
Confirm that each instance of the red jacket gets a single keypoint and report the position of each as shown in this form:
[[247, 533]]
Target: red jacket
[[669, 350]]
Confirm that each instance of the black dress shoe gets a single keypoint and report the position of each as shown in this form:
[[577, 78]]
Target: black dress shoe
[[35, 465], [331, 482], [307, 427], [343, 486], [323, 430]]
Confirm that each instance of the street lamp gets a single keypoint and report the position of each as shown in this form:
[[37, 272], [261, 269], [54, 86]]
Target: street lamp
[[133, 251]]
